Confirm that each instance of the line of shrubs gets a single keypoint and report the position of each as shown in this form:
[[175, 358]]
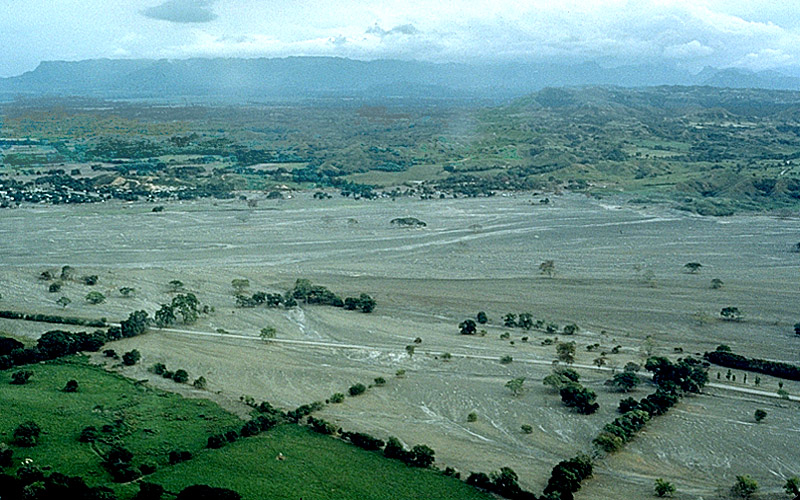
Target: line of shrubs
[[723, 357], [53, 318]]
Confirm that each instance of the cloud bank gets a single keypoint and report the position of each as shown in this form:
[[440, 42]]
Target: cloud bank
[[751, 34]]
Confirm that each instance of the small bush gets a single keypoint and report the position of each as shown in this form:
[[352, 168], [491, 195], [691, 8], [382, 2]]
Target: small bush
[[21, 377], [199, 383], [506, 360], [357, 389], [379, 381], [337, 398], [27, 433], [130, 358], [72, 386], [472, 417], [180, 376]]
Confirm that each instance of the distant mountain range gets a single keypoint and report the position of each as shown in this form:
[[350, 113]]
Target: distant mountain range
[[315, 78]]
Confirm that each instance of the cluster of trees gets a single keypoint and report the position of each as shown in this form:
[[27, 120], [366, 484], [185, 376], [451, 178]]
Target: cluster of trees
[[180, 375], [723, 357], [573, 395], [503, 482], [270, 299], [687, 374], [525, 320], [267, 418], [52, 318], [184, 305], [30, 483], [51, 345], [309, 293]]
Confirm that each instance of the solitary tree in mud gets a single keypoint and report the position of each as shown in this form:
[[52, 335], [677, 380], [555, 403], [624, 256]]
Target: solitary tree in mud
[[693, 267], [95, 297], [730, 314], [515, 385], [566, 352], [744, 487], [268, 333], [467, 327], [165, 316], [548, 267], [664, 488], [481, 318]]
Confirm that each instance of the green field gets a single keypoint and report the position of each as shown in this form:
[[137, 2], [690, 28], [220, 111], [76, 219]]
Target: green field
[[148, 422], [151, 423], [316, 467]]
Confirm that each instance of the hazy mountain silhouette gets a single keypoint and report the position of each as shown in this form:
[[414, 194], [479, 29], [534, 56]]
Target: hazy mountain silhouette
[[297, 78]]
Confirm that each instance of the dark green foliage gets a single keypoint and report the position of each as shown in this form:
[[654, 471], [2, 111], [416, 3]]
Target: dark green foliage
[[315, 294], [149, 491], [510, 320], [21, 377], [203, 492], [200, 383], [132, 357], [774, 368], [421, 456], [357, 389], [6, 457], [136, 324], [321, 426], [363, 440], [71, 386], [566, 477], [178, 456], [576, 396], [379, 381], [301, 411], [744, 487], [394, 449], [687, 374], [180, 376], [624, 382], [8, 345], [118, 463], [621, 430], [664, 488], [481, 318], [27, 433], [165, 316], [525, 321], [337, 398], [90, 280], [158, 368], [731, 314], [797, 328], [54, 287], [760, 415], [88, 434], [627, 405], [467, 327], [479, 480], [186, 305]]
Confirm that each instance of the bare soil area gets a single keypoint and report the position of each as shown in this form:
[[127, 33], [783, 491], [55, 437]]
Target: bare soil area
[[619, 276]]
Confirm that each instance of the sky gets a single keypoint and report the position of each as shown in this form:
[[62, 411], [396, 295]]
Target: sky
[[751, 34]]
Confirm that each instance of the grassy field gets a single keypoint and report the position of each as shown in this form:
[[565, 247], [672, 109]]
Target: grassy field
[[148, 422], [316, 467]]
